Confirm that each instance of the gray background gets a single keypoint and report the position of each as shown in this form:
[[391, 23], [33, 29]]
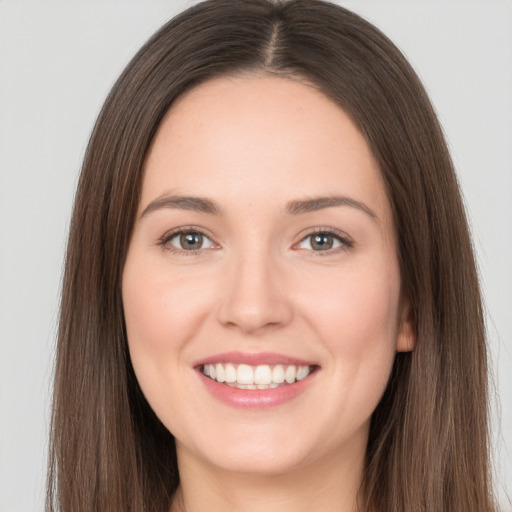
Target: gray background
[[58, 60]]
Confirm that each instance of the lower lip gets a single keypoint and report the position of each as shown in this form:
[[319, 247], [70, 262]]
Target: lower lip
[[255, 398]]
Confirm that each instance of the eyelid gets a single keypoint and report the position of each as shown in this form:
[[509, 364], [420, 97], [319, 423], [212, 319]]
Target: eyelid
[[346, 240], [164, 240]]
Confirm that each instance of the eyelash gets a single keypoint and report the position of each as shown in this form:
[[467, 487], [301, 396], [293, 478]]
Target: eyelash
[[346, 243], [165, 244]]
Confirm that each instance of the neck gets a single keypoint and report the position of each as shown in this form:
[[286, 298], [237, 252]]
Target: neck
[[333, 486]]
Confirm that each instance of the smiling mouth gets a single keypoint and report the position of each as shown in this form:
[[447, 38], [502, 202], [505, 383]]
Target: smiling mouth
[[244, 376]]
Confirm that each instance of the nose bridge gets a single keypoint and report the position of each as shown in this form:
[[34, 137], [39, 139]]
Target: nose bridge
[[256, 296]]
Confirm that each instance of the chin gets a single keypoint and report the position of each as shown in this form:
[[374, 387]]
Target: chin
[[266, 451], [259, 461]]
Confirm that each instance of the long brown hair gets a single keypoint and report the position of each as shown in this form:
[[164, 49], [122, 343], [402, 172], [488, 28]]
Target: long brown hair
[[428, 445]]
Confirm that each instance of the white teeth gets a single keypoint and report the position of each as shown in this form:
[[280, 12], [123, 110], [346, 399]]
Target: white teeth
[[278, 374], [244, 374], [263, 376], [230, 373], [290, 374], [302, 372], [219, 372]]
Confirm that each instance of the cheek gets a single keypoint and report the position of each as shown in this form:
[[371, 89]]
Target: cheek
[[160, 318], [162, 314], [359, 302], [147, 316], [356, 314], [162, 310]]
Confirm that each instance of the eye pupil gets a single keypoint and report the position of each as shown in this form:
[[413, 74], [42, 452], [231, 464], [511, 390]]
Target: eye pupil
[[191, 241], [322, 241]]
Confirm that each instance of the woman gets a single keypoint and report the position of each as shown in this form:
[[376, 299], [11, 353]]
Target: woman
[[270, 299]]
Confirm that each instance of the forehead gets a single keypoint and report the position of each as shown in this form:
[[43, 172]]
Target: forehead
[[262, 136]]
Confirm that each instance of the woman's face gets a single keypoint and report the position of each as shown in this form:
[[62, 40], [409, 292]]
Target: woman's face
[[263, 255]]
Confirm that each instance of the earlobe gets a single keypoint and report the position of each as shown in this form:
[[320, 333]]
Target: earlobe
[[406, 339]]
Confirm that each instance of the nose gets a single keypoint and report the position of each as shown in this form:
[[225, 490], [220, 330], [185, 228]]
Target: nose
[[256, 296]]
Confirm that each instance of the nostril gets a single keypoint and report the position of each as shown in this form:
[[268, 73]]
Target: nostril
[[255, 316]]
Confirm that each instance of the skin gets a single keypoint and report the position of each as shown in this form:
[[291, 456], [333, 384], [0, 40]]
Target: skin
[[252, 144]]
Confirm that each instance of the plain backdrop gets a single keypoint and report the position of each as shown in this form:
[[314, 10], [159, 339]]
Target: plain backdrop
[[58, 60]]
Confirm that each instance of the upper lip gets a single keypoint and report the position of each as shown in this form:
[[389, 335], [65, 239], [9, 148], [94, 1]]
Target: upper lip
[[254, 359]]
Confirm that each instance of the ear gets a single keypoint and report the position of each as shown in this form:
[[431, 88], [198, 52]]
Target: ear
[[406, 339]]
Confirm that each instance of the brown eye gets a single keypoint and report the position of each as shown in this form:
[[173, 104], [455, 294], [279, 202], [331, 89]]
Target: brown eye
[[322, 241], [190, 241]]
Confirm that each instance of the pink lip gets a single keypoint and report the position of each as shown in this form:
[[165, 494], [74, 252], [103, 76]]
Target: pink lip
[[254, 398], [256, 359]]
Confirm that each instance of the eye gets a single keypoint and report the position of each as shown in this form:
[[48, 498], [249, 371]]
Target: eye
[[188, 241], [323, 241]]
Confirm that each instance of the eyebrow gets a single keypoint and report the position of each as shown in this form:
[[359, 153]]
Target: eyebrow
[[299, 207], [198, 204], [295, 207]]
